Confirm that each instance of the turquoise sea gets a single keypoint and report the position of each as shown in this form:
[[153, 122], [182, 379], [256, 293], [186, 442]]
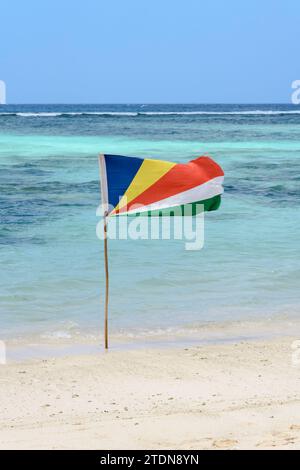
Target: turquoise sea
[[52, 276]]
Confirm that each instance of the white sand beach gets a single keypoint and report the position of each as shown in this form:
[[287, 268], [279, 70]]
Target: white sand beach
[[242, 395]]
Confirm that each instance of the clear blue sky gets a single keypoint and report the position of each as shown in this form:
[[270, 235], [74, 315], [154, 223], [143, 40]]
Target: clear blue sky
[[199, 51]]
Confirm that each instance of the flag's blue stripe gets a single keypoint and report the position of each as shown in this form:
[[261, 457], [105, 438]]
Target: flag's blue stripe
[[120, 172]]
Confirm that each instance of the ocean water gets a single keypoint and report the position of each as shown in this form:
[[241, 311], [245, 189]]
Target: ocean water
[[52, 276]]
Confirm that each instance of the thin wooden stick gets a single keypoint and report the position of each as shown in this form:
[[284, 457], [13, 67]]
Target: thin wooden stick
[[106, 284]]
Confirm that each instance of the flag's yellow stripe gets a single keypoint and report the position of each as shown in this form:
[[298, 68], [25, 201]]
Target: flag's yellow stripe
[[149, 172]]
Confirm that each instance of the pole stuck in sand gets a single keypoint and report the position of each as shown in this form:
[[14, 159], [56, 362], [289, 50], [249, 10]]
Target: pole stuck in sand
[[104, 201], [106, 283]]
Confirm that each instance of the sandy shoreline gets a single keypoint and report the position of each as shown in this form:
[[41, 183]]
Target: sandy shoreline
[[220, 396]]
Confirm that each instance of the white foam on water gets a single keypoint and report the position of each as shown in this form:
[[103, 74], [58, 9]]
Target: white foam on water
[[155, 113]]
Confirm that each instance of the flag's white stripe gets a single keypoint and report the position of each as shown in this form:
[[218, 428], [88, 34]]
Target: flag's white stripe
[[202, 192]]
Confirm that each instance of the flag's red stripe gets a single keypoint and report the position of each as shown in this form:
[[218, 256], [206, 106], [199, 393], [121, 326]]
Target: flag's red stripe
[[180, 178]]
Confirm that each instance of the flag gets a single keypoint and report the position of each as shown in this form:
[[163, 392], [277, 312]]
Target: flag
[[137, 186]]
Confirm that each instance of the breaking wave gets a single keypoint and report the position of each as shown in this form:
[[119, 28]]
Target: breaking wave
[[152, 113]]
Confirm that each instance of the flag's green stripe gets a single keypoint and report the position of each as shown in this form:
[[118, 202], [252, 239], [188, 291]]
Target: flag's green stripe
[[192, 208]]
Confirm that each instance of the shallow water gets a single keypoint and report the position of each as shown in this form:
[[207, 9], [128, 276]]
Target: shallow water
[[52, 262]]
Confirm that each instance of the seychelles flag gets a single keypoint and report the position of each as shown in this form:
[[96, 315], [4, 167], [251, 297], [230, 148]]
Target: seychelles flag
[[137, 186]]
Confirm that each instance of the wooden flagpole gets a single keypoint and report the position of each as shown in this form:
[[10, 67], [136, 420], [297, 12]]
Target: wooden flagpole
[[106, 284], [104, 200]]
